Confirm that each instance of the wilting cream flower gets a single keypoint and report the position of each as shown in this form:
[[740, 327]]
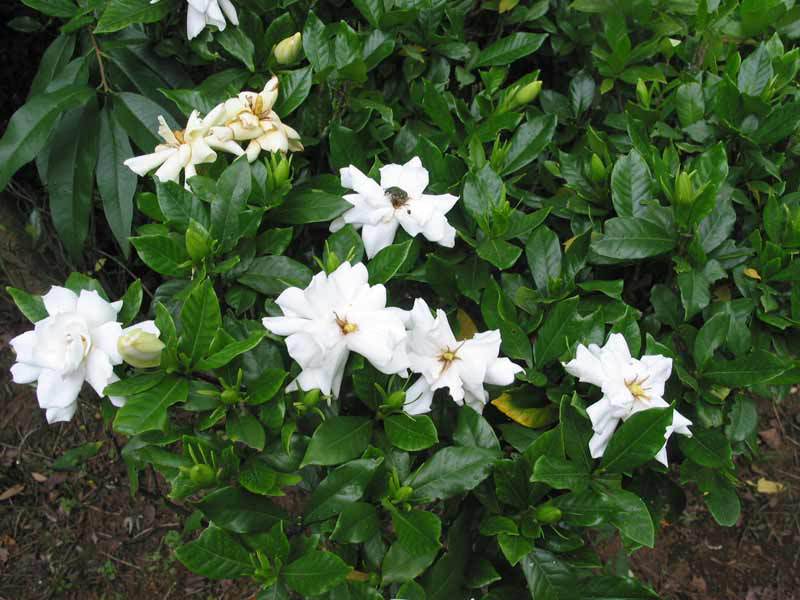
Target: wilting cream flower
[[182, 150], [249, 118], [629, 385], [334, 315], [399, 200], [444, 362], [76, 342]]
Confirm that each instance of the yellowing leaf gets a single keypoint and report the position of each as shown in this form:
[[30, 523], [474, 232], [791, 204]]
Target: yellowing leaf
[[765, 486], [466, 326], [533, 418], [752, 273]]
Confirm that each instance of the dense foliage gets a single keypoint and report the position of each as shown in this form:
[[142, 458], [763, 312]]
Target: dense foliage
[[621, 166]]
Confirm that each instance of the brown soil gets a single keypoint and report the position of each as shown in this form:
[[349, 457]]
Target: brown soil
[[759, 558]]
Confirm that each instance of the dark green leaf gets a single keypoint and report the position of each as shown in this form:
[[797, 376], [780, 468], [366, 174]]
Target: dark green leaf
[[338, 440]]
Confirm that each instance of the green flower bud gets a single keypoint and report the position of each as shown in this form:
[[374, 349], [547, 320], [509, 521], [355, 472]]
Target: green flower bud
[[311, 398], [404, 493], [684, 190], [139, 348], [288, 50], [528, 93], [396, 399], [202, 475], [597, 169], [230, 396], [198, 241], [547, 513], [506, 5], [642, 93]]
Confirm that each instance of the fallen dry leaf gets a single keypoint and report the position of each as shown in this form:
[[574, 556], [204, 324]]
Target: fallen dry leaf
[[12, 491], [771, 437], [765, 486], [38, 477]]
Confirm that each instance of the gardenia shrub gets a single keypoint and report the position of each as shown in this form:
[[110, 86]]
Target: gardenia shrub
[[434, 297]]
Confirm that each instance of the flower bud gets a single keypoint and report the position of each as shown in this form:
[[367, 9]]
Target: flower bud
[[547, 513], [140, 349], [684, 191], [198, 241], [230, 396], [528, 93], [396, 399], [288, 50], [403, 493], [506, 5], [311, 398], [642, 93], [597, 169], [280, 170], [202, 475]]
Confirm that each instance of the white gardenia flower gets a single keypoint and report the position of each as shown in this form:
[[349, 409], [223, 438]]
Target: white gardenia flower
[[444, 362], [629, 386], [182, 150], [399, 201], [249, 118], [207, 12], [76, 342], [334, 315]]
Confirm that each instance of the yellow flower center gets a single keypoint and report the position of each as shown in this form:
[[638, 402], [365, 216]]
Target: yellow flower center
[[179, 135], [637, 390], [346, 326], [448, 357]]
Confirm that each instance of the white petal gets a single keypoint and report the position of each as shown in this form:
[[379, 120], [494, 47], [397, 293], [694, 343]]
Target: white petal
[[253, 150], [586, 366], [24, 373], [274, 140], [59, 300], [202, 153], [306, 350], [337, 224], [476, 398], [599, 441], [502, 372], [92, 307], [419, 398], [142, 165], [411, 177], [195, 22], [285, 325], [57, 391], [659, 368], [228, 146], [59, 414], [99, 370], [378, 237], [601, 413], [171, 169], [106, 337], [328, 378], [354, 179], [24, 346], [618, 346], [293, 303], [681, 424], [230, 11], [146, 326]]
